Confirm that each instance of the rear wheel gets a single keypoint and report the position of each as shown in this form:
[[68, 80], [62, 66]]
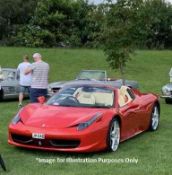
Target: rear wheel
[[155, 118], [113, 135]]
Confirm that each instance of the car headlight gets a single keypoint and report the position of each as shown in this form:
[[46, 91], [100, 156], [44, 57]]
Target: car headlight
[[86, 124], [16, 119], [166, 91]]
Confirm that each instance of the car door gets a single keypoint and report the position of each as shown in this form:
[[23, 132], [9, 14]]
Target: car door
[[130, 123], [129, 110], [145, 106]]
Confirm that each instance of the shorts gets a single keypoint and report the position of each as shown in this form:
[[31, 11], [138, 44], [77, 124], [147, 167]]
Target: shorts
[[35, 93], [24, 89]]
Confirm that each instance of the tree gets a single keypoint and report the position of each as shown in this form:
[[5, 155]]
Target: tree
[[70, 22], [158, 18], [153, 25], [76, 23], [119, 32], [13, 14], [54, 22]]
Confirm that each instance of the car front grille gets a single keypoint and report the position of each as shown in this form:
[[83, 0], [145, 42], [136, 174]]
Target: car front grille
[[65, 143], [21, 139], [50, 143]]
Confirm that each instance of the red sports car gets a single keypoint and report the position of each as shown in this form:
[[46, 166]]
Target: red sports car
[[85, 118]]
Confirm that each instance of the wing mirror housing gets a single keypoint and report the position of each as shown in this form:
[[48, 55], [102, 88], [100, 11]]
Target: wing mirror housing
[[41, 99]]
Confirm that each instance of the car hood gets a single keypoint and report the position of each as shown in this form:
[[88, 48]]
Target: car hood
[[36, 115], [168, 86]]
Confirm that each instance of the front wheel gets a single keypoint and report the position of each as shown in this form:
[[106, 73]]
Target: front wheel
[[113, 138], [155, 118]]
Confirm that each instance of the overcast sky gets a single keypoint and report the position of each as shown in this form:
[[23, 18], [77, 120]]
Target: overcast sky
[[100, 1]]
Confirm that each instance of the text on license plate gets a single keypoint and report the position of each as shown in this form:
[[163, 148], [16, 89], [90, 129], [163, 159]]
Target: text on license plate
[[38, 136]]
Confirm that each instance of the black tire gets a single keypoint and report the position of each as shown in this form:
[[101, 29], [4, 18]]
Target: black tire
[[168, 100], [114, 124], [1, 95], [155, 117], [2, 164]]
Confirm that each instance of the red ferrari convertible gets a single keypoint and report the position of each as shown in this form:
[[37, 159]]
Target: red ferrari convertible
[[85, 118]]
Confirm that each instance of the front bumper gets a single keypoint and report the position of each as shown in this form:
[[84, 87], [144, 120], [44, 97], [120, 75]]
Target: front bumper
[[166, 96], [68, 140]]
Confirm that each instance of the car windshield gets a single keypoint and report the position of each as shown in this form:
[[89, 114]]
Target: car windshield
[[83, 96], [97, 75], [7, 75]]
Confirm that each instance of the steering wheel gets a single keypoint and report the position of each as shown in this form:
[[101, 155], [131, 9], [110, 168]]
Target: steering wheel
[[72, 98]]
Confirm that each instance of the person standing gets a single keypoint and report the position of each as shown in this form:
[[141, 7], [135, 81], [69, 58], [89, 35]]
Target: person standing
[[39, 84], [24, 80]]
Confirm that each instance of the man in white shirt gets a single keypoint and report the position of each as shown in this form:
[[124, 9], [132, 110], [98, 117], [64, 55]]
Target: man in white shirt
[[25, 80]]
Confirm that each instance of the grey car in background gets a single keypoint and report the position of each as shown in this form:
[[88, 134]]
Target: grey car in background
[[9, 83], [92, 76]]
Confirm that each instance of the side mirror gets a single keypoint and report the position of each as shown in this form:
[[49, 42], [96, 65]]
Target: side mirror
[[41, 99]]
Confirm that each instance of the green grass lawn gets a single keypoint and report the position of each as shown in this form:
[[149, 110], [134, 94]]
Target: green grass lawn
[[152, 149]]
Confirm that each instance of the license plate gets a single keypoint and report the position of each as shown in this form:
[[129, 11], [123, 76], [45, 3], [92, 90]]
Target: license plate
[[38, 136]]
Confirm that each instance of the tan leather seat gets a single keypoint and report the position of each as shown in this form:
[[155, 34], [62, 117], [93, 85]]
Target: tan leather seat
[[86, 98], [104, 98]]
